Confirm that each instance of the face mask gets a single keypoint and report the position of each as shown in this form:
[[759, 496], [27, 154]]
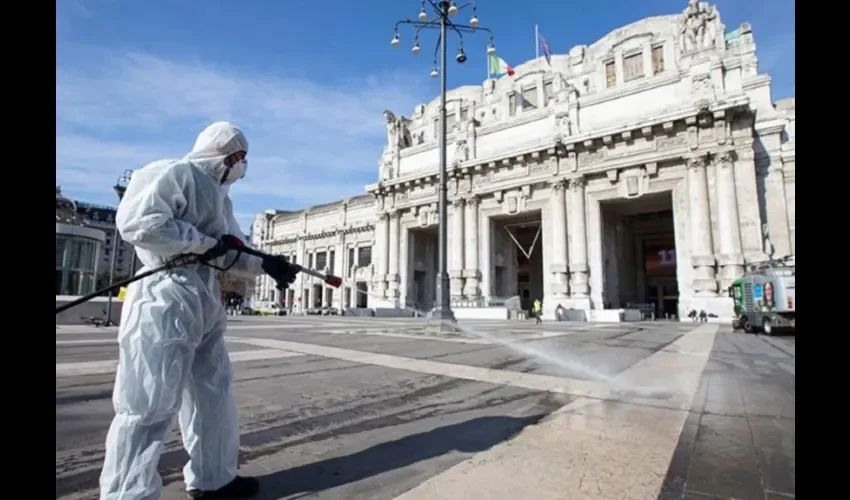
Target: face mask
[[236, 172]]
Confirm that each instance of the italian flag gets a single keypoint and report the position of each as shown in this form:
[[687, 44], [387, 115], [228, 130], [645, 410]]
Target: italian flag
[[498, 66]]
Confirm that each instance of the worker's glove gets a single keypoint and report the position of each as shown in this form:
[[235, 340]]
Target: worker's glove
[[280, 270], [225, 243]]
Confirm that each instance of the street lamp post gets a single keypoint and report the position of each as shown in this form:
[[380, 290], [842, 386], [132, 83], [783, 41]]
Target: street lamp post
[[120, 188], [444, 10]]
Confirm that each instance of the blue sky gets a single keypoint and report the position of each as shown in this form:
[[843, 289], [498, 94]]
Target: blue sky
[[307, 81]]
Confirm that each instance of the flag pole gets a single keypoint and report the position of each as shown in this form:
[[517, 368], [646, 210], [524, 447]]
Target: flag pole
[[536, 43]]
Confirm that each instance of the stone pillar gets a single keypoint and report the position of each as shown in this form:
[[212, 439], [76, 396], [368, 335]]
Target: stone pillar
[[731, 258], [392, 266], [776, 210], [324, 291], [456, 265], [646, 54], [558, 261], [380, 253], [702, 254], [471, 271], [618, 64], [578, 240]]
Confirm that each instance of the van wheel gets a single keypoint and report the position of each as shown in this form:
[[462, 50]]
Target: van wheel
[[767, 326], [746, 325]]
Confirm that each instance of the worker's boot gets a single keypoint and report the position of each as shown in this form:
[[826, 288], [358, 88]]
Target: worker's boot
[[240, 487]]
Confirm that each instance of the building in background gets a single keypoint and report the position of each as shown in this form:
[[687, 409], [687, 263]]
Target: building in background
[[334, 238], [78, 250], [103, 217], [645, 170]]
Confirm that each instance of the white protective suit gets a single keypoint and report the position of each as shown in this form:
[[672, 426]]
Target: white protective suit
[[172, 352]]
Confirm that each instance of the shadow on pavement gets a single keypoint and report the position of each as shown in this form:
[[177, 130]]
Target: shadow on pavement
[[471, 436]]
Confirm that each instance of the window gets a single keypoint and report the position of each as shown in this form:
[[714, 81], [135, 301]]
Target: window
[[464, 114], [351, 262], [310, 260], [451, 119], [548, 91], [364, 257], [610, 74], [633, 67], [293, 259], [331, 260], [362, 297], [321, 260], [512, 104], [529, 98], [657, 60], [76, 263]]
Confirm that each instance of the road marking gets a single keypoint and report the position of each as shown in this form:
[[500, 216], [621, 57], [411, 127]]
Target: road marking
[[107, 367], [85, 342], [537, 382], [411, 336], [520, 336], [587, 449], [72, 343]]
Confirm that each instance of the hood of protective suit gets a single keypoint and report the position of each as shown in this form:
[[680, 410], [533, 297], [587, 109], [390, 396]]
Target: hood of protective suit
[[213, 145]]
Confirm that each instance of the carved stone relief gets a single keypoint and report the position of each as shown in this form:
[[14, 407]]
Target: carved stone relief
[[482, 179], [702, 90], [592, 158], [540, 167], [577, 183], [698, 27]]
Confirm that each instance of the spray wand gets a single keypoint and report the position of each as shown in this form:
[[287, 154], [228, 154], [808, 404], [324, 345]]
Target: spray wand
[[330, 279]]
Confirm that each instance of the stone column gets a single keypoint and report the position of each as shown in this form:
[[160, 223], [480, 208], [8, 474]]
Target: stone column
[[702, 254], [380, 253], [646, 54], [578, 240], [558, 266], [731, 258], [456, 265], [392, 267], [471, 271]]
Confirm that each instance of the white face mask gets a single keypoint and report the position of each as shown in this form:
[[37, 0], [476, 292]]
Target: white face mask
[[236, 172]]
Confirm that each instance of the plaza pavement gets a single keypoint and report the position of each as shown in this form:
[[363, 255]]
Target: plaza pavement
[[365, 408]]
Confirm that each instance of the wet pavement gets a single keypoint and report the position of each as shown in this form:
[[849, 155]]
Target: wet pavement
[[739, 439], [356, 408]]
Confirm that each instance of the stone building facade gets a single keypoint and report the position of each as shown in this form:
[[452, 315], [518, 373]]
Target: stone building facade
[[644, 170]]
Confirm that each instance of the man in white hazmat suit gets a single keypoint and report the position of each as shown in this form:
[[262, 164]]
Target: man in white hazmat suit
[[173, 357]]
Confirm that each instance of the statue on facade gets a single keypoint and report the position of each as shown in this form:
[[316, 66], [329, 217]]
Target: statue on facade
[[698, 28], [392, 128], [563, 125], [461, 153], [387, 172], [398, 132]]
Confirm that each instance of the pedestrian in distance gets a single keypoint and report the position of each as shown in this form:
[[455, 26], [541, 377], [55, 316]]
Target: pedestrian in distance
[[537, 310]]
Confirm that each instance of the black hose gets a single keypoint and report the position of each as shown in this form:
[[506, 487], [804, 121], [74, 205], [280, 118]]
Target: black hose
[[181, 260]]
